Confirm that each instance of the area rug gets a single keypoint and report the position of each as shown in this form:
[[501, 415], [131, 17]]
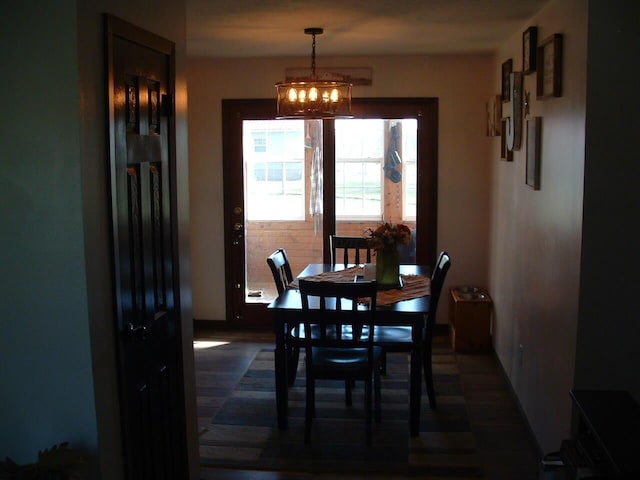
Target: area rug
[[244, 433]]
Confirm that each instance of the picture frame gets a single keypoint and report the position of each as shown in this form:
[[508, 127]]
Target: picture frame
[[494, 116], [505, 153], [549, 67], [529, 50], [534, 127], [507, 68]]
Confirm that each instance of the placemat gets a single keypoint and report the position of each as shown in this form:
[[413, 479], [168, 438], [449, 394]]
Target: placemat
[[414, 286]]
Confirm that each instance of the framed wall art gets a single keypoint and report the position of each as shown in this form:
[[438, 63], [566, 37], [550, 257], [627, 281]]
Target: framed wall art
[[534, 127], [507, 68], [505, 153], [494, 115], [529, 50], [549, 67]]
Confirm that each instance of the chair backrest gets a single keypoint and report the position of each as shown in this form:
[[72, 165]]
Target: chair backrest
[[353, 245], [280, 269], [437, 281], [335, 304]]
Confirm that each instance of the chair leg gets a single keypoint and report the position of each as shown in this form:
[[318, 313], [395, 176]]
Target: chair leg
[[292, 361], [377, 400], [367, 408], [383, 362], [428, 375]]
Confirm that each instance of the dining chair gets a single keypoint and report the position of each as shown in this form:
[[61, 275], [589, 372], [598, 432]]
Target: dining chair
[[349, 245], [282, 276], [398, 338], [329, 306], [280, 269]]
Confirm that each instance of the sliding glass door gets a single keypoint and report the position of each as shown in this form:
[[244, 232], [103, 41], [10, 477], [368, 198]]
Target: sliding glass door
[[291, 183]]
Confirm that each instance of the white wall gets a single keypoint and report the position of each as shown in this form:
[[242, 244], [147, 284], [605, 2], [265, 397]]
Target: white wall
[[536, 235], [46, 382], [462, 84]]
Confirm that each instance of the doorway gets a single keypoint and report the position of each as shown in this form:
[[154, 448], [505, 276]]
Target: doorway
[[292, 183]]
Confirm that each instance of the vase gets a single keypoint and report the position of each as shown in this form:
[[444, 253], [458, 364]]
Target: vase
[[388, 268]]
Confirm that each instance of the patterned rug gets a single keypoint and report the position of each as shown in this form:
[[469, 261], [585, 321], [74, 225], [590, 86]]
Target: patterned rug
[[244, 432]]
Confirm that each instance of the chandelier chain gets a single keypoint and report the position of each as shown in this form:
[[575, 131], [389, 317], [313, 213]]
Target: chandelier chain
[[313, 56]]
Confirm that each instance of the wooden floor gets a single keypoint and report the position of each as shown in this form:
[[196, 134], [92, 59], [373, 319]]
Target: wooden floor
[[503, 439]]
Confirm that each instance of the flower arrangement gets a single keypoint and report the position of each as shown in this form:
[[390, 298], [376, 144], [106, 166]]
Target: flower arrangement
[[388, 236]]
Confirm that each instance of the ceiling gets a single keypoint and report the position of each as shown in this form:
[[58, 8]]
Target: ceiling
[[248, 28]]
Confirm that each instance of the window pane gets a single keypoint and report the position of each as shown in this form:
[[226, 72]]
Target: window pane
[[359, 155], [274, 169]]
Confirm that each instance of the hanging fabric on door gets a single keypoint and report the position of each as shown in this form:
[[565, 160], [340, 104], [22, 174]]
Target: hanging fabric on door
[[315, 195], [392, 158]]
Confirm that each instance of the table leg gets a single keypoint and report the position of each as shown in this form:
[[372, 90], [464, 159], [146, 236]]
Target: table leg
[[415, 389], [280, 365]]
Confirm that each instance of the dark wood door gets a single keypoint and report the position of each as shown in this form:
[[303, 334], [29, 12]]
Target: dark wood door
[[147, 321]]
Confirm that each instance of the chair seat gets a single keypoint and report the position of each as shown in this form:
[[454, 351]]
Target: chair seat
[[297, 332], [352, 359], [396, 335]]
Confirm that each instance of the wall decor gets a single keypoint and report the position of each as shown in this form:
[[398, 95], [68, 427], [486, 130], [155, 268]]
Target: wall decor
[[512, 112], [529, 49], [353, 75], [505, 153], [507, 68], [549, 71], [534, 127], [494, 116]]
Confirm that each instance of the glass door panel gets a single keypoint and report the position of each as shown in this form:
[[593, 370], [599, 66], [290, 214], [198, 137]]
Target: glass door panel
[[376, 176], [282, 197]]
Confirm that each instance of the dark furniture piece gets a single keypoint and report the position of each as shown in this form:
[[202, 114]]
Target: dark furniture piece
[[351, 248], [330, 307], [287, 308], [400, 338], [604, 441], [281, 270], [470, 319]]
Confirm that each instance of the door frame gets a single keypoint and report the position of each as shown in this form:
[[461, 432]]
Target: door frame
[[235, 111]]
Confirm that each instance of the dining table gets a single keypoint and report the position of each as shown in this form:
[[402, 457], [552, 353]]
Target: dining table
[[406, 306]]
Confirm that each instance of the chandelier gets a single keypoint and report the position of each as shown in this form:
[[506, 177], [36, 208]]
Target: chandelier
[[313, 98]]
